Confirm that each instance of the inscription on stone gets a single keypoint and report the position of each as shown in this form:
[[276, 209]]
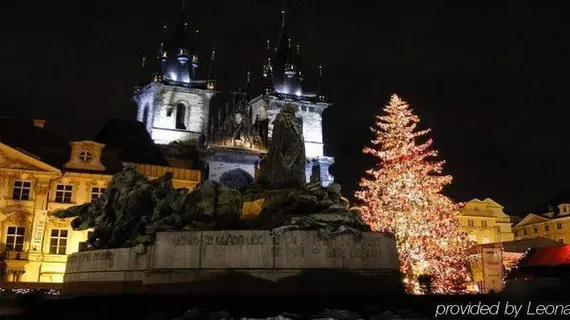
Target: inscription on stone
[[222, 240], [237, 249], [186, 240], [297, 249]]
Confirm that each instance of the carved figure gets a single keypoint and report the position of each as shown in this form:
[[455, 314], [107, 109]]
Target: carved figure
[[284, 164]]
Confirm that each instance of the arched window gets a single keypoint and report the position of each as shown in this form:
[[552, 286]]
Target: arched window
[[145, 115], [180, 116]]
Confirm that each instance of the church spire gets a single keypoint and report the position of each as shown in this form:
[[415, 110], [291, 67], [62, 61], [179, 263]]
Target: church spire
[[283, 18], [268, 69], [247, 82], [211, 82], [319, 91]]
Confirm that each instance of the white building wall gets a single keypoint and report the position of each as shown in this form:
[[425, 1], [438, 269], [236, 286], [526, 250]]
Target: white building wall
[[163, 100]]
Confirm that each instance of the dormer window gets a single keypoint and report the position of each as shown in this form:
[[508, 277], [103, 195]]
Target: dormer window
[[85, 156]]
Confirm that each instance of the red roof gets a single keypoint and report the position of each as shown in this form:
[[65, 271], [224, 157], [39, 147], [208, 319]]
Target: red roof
[[550, 256]]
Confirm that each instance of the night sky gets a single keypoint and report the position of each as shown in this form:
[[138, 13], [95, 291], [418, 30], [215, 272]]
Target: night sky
[[491, 81]]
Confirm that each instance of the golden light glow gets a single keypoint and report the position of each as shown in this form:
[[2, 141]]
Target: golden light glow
[[403, 195]]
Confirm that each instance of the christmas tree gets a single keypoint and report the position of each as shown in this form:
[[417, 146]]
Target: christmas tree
[[403, 195]]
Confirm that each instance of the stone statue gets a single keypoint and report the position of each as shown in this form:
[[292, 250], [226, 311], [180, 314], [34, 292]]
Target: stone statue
[[284, 164], [132, 209]]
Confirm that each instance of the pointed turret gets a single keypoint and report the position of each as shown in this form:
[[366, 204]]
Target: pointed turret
[[268, 70], [211, 82], [319, 91], [178, 56], [247, 83], [298, 62]]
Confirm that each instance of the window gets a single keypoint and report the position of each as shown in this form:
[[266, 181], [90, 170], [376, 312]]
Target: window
[[470, 223], [559, 226], [516, 233], [180, 116], [524, 232], [58, 241], [535, 229], [485, 240], [472, 237], [546, 228], [21, 190], [561, 240], [15, 238], [96, 192], [476, 209], [63, 193], [85, 156], [311, 109], [484, 224]]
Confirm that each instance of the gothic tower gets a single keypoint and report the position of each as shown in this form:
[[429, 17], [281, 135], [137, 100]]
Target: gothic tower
[[174, 105], [284, 84]]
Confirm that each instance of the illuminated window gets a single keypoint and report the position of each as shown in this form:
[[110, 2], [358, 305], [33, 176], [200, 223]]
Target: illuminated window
[[470, 223], [58, 241], [472, 237], [63, 193], [546, 228], [85, 156], [96, 192], [15, 238], [559, 226], [21, 190], [485, 240], [484, 224]]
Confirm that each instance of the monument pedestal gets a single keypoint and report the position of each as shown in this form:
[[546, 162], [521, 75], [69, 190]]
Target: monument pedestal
[[246, 262]]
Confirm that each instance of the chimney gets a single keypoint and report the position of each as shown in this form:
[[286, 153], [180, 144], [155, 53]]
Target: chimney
[[40, 123]]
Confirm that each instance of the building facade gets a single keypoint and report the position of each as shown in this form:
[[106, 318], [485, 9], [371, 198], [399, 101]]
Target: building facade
[[230, 131], [35, 184], [485, 222], [554, 225]]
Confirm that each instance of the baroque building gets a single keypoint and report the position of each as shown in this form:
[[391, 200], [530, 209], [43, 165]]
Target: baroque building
[[41, 173], [485, 222], [554, 225], [228, 131]]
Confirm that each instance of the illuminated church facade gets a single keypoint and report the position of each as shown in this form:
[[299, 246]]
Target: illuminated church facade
[[227, 131]]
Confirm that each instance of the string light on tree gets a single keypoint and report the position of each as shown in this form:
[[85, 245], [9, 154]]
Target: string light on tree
[[403, 195]]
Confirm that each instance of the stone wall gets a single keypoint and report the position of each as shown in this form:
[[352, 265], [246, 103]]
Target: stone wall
[[159, 102], [211, 261]]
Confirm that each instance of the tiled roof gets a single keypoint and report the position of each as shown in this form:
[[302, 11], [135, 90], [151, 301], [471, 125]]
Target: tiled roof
[[125, 140], [130, 141]]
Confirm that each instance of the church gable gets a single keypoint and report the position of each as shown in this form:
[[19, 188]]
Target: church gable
[[531, 218], [15, 159]]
